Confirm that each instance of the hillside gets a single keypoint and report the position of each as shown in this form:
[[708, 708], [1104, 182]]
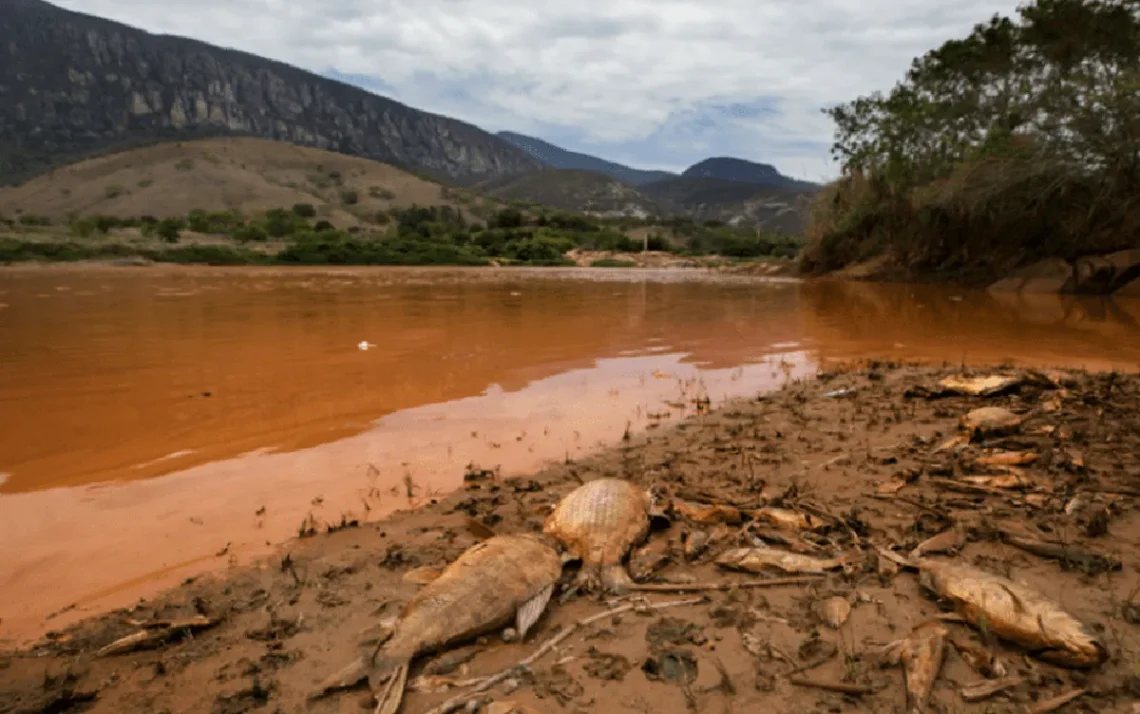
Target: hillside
[[559, 158], [573, 189], [731, 169], [74, 84], [239, 174], [735, 202]]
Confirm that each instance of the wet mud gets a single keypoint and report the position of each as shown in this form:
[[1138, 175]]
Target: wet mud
[[858, 478]]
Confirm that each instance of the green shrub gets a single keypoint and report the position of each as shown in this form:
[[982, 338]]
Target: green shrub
[[185, 165], [304, 210], [113, 191], [169, 229], [250, 233], [381, 193], [349, 198]]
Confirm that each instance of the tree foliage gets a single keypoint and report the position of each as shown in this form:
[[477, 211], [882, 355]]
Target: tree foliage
[[1061, 82], [1021, 139]]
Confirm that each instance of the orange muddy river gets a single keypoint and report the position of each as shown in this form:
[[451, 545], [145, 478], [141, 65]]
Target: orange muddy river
[[160, 422]]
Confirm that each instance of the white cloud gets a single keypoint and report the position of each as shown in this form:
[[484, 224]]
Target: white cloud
[[632, 77]]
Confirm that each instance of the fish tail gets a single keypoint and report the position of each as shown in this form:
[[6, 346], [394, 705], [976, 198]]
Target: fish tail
[[388, 700], [346, 677]]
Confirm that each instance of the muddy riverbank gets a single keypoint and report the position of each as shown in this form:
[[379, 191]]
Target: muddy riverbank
[[864, 454]]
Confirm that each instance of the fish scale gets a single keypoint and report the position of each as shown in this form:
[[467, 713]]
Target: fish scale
[[599, 522]]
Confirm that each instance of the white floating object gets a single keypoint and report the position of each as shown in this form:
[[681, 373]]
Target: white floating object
[[365, 344]]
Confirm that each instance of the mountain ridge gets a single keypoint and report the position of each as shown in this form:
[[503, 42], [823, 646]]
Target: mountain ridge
[[724, 168], [557, 157], [84, 84]]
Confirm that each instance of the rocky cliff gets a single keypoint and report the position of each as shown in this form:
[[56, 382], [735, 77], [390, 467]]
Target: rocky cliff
[[72, 84]]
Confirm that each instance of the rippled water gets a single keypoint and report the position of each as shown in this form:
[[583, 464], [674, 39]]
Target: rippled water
[[149, 418]]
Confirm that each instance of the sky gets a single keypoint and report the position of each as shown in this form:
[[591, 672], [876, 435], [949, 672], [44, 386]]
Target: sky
[[655, 84]]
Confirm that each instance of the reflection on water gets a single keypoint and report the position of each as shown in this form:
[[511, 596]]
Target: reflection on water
[[152, 417]]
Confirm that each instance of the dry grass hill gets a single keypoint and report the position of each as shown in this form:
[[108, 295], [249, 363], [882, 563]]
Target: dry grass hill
[[245, 175]]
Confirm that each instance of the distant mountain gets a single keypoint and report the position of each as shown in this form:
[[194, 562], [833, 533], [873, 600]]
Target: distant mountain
[[774, 207], [575, 190], [559, 158], [727, 168], [72, 84]]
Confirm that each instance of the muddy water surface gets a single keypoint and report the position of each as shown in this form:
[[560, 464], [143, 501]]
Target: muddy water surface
[[155, 423]]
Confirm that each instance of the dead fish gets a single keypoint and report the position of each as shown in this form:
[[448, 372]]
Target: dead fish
[[599, 522], [784, 518], [834, 611], [987, 386], [760, 559], [1008, 481], [1008, 458], [505, 577], [989, 421], [1014, 612], [707, 514], [921, 655], [948, 540]]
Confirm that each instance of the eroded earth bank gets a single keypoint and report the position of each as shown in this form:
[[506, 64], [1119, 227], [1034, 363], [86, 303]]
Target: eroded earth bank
[[849, 478]]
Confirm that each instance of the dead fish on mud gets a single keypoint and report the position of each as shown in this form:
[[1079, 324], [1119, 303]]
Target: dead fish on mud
[[1011, 611], [505, 577], [784, 518], [599, 522], [921, 655], [760, 559]]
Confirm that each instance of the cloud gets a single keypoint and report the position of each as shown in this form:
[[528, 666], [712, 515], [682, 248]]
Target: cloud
[[657, 83]]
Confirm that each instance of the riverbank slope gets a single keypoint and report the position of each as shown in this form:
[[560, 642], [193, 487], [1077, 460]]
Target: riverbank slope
[[860, 453]]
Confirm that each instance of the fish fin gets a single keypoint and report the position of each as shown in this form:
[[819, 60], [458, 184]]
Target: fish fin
[[615, 579], [531, 610], [388, 701], [346, 677], [1018, 605], [891, 654]]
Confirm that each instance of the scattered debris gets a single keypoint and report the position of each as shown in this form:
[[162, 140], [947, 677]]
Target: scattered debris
[[155, 633], [834, 611], [985, 689], [762, 559], [921, 656]]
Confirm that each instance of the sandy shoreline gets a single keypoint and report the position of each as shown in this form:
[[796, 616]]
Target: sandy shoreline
[[861, 462]]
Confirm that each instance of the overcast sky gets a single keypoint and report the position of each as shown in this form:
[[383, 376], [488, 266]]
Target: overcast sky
[[649, 83]]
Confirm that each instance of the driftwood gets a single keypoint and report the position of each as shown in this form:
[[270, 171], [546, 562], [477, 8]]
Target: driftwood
[[1057, 702], [702, 587], [987, 688], [1063, 552], [154, 633], [841, 687]]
